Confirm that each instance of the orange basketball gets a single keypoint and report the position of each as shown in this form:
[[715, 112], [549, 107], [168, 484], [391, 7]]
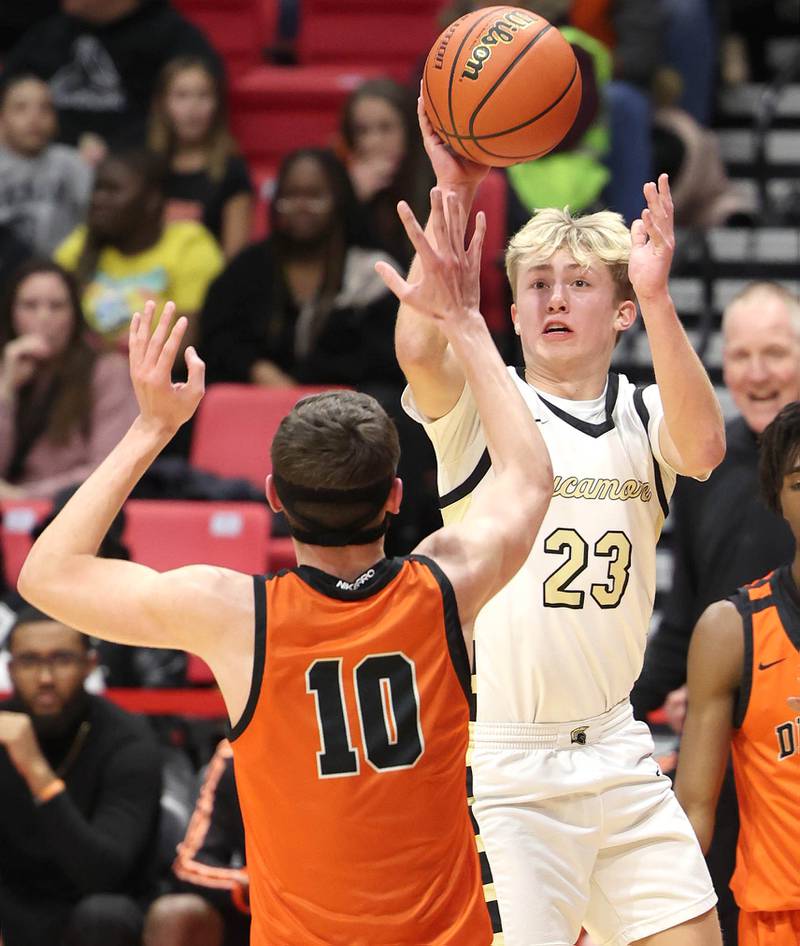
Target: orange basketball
[[501, 85]]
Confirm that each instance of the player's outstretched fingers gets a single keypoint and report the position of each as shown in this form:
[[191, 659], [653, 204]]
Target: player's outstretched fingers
[[438, 220], [195, 371], [659, 203], [651, 227], [160, 333], [638, 233], [416, 234], [456, 226], [135, 346], [394, 281], [476, 243], [169, 348]]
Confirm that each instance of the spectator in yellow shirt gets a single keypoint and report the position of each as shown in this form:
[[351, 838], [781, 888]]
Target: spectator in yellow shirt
[[125, 254]]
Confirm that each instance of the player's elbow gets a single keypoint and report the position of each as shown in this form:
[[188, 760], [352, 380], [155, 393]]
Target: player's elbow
[[416, 352], [530, 483], [31, 579], [711, 451], [703, 456], [40, 578]]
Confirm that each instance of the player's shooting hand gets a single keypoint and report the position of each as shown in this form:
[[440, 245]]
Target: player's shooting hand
[[448, 288], [163, 403], [452, 172], [653, 242]]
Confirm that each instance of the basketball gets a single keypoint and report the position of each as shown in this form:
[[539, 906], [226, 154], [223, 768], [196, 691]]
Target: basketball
[[501, 85]]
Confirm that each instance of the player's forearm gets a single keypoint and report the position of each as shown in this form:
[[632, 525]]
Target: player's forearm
[[519, 456], [82, 524], [701, 817], [691, 410], [418, 342]]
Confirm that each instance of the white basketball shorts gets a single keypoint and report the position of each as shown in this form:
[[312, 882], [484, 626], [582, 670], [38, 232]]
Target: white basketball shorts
[[582, 829]]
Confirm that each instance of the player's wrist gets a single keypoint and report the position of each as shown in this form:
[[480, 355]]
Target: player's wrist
[[155, 429], [654, 298], [464, 190]]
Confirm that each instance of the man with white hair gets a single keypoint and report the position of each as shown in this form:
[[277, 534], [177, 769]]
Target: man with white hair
[[723, 534]]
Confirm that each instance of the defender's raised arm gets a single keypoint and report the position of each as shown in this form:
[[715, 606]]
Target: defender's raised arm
[[483, 553], [435, 375]]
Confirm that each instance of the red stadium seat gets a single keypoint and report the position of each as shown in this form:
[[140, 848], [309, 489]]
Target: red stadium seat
[[235, 425], [19, 517], [275, 110], [393, 36], [167, 534], [236, 28], [232, 435]]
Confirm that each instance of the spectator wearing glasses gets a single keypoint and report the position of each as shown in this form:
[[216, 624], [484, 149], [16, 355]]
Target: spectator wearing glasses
[[79, 798]]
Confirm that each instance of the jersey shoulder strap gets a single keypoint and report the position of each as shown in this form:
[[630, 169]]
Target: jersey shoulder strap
[[454, 633], [644, 416]]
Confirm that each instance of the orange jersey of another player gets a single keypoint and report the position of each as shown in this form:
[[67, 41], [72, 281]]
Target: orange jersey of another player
[[350, 763], [766, 747]]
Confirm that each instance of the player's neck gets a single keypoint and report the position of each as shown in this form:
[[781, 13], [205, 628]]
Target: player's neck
[[347, 561], [578, 386]]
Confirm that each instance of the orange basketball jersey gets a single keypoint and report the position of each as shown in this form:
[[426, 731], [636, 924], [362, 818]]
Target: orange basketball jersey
[[350, 763], [766, 747]]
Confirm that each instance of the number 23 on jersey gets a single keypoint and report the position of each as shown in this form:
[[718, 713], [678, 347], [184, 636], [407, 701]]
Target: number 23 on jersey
[[614, 547]]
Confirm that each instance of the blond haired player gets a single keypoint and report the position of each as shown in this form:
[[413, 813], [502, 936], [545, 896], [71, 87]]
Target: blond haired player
[[579, 825]]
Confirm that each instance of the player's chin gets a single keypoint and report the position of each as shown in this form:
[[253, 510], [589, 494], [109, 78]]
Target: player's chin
[[557, 338]]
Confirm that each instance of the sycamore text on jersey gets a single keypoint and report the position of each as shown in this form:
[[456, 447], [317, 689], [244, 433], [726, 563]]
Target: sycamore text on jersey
[[592, 487]]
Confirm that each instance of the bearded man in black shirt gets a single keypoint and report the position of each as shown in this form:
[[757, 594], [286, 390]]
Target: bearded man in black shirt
[[80, 783]]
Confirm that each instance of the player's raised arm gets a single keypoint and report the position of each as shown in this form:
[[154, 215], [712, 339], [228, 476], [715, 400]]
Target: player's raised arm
[[483, 553], [435, 376], [692, 436], [714, 675], [124, 601]]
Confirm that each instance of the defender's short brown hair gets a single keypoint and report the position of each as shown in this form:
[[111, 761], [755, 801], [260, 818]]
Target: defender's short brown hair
[[335, 440]]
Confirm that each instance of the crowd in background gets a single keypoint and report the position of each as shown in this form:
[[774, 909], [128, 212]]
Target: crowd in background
[[133, 188]]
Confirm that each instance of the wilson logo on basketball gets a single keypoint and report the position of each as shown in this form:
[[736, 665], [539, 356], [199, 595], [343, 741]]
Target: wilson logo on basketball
[[502, 31]]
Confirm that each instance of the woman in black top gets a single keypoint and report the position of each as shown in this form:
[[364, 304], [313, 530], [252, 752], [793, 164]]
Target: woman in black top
[[304, 306], [208, 179]]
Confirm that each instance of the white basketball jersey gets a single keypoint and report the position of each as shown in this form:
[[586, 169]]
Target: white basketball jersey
[[565, 638]]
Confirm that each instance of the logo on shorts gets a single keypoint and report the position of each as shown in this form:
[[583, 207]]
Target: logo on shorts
[[578, 736]]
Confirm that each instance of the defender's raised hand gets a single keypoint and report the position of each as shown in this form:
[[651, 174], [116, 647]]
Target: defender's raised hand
[[448, 288], [653, 242], [162, 402]]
